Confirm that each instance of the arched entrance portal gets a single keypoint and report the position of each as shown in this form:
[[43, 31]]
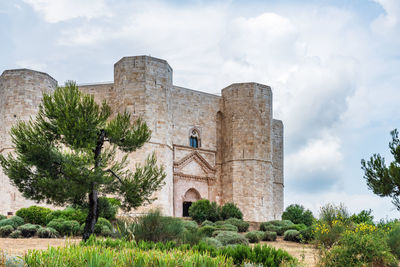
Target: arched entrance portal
[[192, 195]]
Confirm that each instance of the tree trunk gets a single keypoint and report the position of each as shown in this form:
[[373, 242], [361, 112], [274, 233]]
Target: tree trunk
[[93, 214]]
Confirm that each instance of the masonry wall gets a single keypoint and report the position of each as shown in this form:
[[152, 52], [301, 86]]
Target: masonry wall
[[20, 95], [277, 163]]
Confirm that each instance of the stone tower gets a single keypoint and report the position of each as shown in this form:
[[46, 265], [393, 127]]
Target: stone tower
[[20, 95], [247, 149], [142, 85]]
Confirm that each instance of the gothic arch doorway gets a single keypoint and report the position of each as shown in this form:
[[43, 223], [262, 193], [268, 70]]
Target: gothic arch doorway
[[192, 195]]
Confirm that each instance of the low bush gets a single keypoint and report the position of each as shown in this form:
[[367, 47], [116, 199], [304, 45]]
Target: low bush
[[269, 236], [2, 217], [207, 230], [230, 210], [105, 231], [240, 224], [231, 238], [203, 209], [34, 214], [28, 230], [16, 234], [255, 236], [359, 248], [307, 235], [65, 227], [298, 215], [47, 232], [211, 241], [227, 227], [393, 240], [326, 235], [292, 235], [101, 223], [269, 227], [14, 221], [6, 230], [68, 214], [207, 222], [191, 236], [155, 227], [190, 225]]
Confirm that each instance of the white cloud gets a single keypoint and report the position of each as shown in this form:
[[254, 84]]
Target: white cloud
[[29, 64], [323, 154], [54, 11]]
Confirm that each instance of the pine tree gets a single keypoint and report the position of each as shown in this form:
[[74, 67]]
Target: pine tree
[[67, 155], [381, 179]]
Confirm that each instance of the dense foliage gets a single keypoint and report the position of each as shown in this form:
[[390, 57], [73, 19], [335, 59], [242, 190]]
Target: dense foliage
[[14, 221], [203, 209], [67, 155], [381, 179], [230, 210], [298, 214], [34, 214]]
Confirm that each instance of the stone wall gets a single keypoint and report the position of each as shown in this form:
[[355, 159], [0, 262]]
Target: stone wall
[[20, 95]]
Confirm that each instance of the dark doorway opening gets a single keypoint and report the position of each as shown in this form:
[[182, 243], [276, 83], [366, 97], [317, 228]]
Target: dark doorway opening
[[186, 206]]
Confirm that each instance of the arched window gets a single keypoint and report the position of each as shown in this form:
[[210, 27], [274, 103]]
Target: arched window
[[194, 139]]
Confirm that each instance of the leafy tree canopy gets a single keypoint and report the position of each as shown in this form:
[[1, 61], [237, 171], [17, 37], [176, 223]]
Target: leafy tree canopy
[[68, 154], [384, 180]]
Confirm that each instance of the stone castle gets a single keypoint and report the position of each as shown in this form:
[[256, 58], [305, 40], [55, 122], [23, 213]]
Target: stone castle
[[224, 148]]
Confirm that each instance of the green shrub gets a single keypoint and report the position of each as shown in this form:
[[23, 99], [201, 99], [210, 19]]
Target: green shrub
[[191, 237], [359, 249], [28, 230], [269, 227], [47, 232], [34, 214], [326, 235], [363, 217], [298, 214], [154, 227], [331, 212], [190, 225], [16, 234], [105, 231], [298, 227], [108, 207], [269, 236], [65, 227], [68, 214], [207, 230], [307, 235], [14, 221], [231, 238], [207, 222], [255, 236], [393, 240], [6, 230], [203, 209], [240, 224], [230, 210], [101, 222], [292, 235], [212, 242], [2, 217], [227, 227]]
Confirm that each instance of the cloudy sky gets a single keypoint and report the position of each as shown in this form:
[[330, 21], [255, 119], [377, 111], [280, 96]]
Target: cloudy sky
[[334, 67]]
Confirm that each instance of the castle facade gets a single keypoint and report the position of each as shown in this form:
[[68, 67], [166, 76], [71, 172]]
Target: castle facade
[[224, 148]]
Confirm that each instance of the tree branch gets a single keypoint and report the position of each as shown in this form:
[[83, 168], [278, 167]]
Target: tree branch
[[114, 174]]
